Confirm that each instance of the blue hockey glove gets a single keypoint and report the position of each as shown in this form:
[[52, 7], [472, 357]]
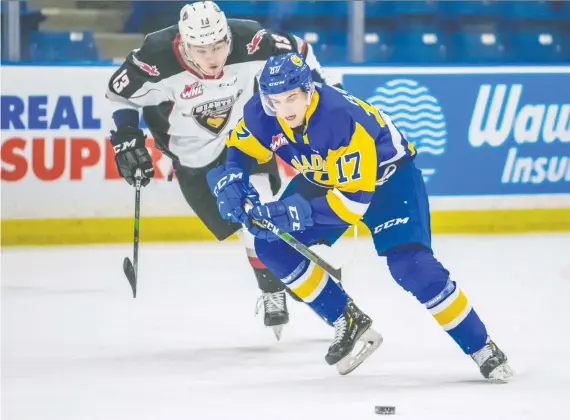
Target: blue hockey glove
[[252, 196], [230, 185], [291, 214]]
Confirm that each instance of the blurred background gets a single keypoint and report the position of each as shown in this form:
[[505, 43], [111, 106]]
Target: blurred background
[[481, 88], [372, 31]]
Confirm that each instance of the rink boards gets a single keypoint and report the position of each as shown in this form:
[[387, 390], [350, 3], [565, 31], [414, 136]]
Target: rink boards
[[493, 144]]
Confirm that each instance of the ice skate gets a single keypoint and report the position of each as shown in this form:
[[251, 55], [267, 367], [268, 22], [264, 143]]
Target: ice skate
[[493, 363], [275, 309], [351, 328]]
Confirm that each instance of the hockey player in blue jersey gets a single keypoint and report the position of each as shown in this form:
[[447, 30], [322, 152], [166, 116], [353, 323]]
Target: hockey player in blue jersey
[[354, 165]]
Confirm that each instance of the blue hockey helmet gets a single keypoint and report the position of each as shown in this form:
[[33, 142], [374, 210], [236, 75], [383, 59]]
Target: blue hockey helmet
[[283, 73]]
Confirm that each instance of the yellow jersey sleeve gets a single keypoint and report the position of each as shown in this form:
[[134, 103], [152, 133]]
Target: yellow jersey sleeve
[[243, 140]]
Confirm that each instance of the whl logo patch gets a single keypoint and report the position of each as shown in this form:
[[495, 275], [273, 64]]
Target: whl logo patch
[[192, 91], [278, 141]]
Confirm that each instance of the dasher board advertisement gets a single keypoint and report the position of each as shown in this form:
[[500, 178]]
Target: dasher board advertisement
[[480, 133]]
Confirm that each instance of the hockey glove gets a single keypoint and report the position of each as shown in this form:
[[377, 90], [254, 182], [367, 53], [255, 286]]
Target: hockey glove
[[131, 154], [290, 214], [230, 185]]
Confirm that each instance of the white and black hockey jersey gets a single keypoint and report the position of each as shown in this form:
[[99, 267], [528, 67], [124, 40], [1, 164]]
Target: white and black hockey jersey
[[187, 113]]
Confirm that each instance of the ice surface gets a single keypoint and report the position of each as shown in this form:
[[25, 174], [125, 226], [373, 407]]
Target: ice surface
[[75, 345]]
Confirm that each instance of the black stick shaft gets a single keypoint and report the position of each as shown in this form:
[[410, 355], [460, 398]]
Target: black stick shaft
[[130, 269], [302, 249], [297, 245], [137, 219]]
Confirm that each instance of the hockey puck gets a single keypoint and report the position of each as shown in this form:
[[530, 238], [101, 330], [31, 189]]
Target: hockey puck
[[384, 409]]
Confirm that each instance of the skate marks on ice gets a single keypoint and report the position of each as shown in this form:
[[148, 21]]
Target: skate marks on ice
[[105, 356], [207, 360], [41, 291]]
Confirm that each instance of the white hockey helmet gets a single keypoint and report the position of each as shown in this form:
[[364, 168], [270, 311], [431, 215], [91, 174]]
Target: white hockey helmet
[[203, 23]]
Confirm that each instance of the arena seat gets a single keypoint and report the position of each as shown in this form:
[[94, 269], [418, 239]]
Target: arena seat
[[63, 46], [545, 47], [422, 45], [478, 47]]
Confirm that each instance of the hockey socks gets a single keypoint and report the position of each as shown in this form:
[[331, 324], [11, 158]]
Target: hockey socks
[[318, 290], [417, 270], [452, 310]]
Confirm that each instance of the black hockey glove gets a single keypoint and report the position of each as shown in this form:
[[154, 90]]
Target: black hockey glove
[[131, 154]]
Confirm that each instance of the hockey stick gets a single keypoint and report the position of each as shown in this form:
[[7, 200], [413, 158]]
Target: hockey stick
[[300, 247], [129, 268]]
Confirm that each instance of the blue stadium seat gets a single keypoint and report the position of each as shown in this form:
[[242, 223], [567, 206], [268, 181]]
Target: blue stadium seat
[[333, 54], [29, 23], [327, 46], [320, 8], [474, 9], [478, 47], [377, 47], [63, 46], [338, 38], [539, 47], [254, 8], [309, 8], [149, 16], [317, 14], [233, 8], [340, 9], [319, 40], [313, 37], [419, 47], [426, 7], [532, 9], [378, 9]]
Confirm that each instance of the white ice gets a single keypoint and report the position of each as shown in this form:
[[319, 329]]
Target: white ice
[[77, 346]]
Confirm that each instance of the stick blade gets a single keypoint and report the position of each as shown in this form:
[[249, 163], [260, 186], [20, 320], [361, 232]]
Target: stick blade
[[131, 276]]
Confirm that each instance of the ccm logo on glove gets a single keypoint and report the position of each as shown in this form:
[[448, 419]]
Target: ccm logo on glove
[[296, 224], [121, 147], [227, 179]]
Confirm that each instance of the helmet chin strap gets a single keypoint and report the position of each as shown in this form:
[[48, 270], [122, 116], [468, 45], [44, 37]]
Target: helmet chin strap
[[309, 98], [191, 63], [186, 56]]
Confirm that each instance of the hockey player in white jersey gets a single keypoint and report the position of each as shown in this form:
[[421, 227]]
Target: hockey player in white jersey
[[191, 81]]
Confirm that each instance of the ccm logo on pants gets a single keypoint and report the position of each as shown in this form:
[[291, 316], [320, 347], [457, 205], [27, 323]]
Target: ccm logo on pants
[[390, 223]]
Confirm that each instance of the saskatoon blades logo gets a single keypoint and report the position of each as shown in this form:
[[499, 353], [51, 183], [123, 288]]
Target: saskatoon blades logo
[[417, 114]]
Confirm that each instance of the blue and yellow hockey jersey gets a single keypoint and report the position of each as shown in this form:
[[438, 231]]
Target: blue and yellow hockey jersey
[[344, 147]]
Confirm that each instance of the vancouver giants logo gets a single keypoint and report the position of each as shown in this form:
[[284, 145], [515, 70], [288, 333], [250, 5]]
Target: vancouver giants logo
[[214, 115], [278, 141], [253, 46]]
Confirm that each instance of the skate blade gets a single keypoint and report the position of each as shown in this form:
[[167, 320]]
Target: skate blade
[[370, 341], [277, 330], [501, 374]]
